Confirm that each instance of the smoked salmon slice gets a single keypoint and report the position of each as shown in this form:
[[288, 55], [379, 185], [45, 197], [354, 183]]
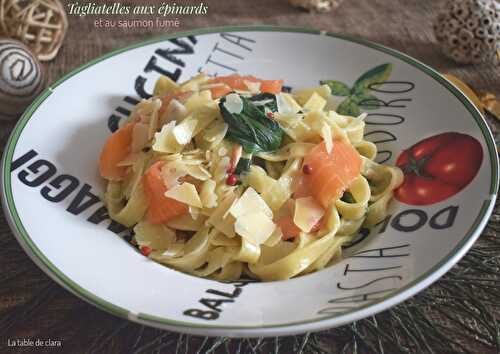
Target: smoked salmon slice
[[237, 82], [330, 173], [160, 208], [115, 150]]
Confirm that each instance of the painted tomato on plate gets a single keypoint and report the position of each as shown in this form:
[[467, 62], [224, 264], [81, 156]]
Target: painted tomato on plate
[[438, 167]]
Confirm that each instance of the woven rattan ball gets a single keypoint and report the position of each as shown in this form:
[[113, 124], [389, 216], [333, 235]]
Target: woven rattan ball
[[40, 24], [469, 30], [316, 5], [21, 78]]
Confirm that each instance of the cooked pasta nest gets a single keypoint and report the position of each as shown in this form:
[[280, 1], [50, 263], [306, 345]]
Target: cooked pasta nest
[[225, 231]]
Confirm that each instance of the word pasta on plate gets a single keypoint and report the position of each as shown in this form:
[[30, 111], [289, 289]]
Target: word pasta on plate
[[230, 177]]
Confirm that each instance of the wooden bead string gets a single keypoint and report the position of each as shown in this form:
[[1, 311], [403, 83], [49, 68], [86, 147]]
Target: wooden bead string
[[40, 24]]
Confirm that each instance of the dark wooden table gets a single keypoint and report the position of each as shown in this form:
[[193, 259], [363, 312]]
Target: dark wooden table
[[33, 306]]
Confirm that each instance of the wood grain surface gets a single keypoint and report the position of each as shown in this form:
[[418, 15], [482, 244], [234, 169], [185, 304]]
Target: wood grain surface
[[33, 306]]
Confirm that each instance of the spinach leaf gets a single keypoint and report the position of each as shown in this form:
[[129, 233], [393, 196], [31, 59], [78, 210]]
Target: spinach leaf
[[251, 128], [266, 102], [243, 165]]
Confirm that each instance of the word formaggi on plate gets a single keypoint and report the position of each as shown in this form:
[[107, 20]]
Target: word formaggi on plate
[[229, 177]]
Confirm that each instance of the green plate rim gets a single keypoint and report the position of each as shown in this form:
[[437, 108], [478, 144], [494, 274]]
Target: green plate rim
[[401, 294]]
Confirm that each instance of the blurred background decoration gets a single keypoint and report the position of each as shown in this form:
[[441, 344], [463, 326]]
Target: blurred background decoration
[[469, 30], [40, 24], [21, 78], [316, 5], [30, 31]]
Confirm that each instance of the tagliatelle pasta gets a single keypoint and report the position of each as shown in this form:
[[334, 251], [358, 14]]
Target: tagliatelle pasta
[[229, 177]]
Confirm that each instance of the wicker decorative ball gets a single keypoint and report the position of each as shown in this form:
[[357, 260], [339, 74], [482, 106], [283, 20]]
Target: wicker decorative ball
[[40, 24], [469, 30], [21, 78], [316, 5]]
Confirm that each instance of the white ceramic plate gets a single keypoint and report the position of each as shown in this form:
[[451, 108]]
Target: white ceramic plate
[[50, 185]]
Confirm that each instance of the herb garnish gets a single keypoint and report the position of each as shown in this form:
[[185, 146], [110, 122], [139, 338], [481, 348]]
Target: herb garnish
[[248, 124]]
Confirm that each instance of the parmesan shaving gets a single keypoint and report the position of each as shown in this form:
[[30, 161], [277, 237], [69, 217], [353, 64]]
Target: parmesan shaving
[[194, 212], [164, 86], [224, 225], [192, 161], [175, 111], [207, 194], [194, 83], [250, 202], [255, 227], [302, 96], [277, 193], [233, 103], [283, 105], [326, 134], [228, 211], [204, 115], [198, 100], [185, 193], [307, 213], [291, 102], [315, 103], [184, 131], [171, 172], [221, 168], [216, 133], [198, 172], [165, 140], [275, 237]]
